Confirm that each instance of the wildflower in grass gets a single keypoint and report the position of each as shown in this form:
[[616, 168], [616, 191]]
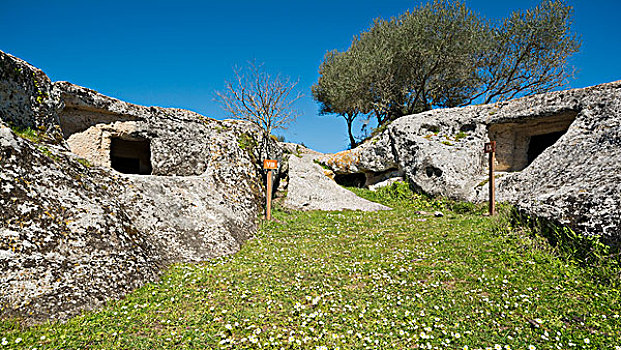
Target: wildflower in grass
[[321, 347], [4, 341], [19, 340], [587, 340], [531, 347]]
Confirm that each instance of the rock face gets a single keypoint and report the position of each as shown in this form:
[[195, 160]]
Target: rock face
[[577, 182], [115, 194], [66, 242], [310, 188], [557, 155], [28, 97]]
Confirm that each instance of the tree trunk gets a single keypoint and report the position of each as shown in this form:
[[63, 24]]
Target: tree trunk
[[352, 140]]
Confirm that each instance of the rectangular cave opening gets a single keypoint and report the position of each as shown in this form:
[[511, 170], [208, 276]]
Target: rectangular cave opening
[[131, 156], [351, 180], [520, 143], [539, 143]]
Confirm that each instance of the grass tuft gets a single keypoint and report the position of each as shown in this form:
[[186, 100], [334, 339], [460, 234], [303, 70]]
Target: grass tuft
[[30, 134]]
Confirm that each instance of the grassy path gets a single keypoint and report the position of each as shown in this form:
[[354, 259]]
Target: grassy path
[[355, 280]]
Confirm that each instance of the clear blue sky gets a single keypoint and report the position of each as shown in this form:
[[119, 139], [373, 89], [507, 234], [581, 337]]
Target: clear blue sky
[[176, 53]]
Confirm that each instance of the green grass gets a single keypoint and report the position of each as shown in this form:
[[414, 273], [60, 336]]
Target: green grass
[[354, 280], [325, 167], [460, 135], [30, 134]]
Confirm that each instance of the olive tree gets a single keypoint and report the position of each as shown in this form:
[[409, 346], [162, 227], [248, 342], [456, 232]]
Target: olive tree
[[340, 89], [442, 54], [530, 53]]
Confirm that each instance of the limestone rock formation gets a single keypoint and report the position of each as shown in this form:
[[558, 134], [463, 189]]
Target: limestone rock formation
[[310, 188], [28, 97], [118, 192], [577, 182], [66, 242], [557, 155]]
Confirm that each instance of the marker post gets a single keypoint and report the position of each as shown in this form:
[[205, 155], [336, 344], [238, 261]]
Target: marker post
[[490, 148], [269, 165]]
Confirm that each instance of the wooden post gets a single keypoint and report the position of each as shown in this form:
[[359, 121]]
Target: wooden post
[[269, 164], [491, 149], [268, 213]]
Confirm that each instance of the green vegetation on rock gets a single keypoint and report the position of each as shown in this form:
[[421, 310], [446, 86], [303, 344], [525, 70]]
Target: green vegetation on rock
[[460, 135], [325, 167], [352, 280], [246, 142], [30, 134]]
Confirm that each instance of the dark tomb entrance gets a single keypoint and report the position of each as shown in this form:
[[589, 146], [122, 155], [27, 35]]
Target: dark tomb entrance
[[131, 157], [351, 180], [520, 142], [539, 143]]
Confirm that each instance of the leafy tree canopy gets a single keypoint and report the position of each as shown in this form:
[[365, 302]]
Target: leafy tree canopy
[[442, 54]]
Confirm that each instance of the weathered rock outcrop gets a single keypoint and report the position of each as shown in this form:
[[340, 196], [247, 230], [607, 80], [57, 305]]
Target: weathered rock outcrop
[[66, 241], [28, 97], [577, 182], [74, 231], [558, 155], [310, 188]]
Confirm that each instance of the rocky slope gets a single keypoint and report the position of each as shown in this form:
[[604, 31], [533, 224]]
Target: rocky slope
[[74, 232], [558, 155], [310, 188]]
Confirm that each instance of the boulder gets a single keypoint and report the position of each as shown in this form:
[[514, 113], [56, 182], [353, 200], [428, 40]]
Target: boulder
[[577, 181], [125, 191], [557, 155], [28, 97], [311, 188], [66, 242]]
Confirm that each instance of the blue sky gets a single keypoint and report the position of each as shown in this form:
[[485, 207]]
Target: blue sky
[[176, 53]]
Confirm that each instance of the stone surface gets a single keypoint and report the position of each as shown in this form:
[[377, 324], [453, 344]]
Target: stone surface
[[559, 154], [311, 189], [182, 143], [66, 242], [28, 98], [577, 182], [74, 232], [386, 183]]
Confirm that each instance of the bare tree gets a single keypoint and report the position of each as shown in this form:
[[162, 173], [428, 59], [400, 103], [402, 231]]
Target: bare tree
[[260, 97]]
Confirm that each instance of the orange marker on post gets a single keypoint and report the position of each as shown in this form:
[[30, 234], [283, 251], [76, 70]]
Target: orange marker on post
[[269, 165]]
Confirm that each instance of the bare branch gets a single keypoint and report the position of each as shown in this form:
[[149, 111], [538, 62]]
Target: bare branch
[[259, 97]]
